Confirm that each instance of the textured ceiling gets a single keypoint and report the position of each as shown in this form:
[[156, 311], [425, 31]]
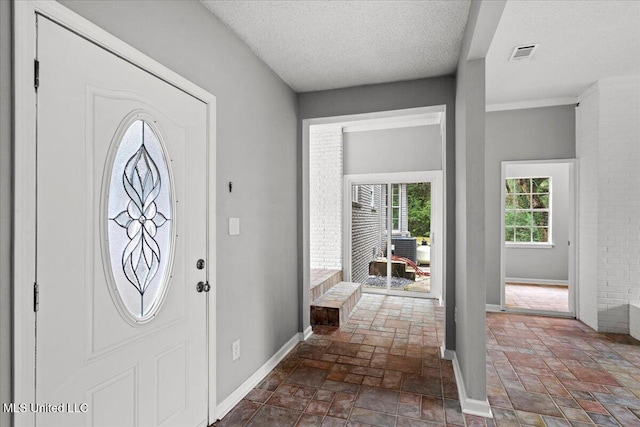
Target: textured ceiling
[[580, 42], [317, 45]]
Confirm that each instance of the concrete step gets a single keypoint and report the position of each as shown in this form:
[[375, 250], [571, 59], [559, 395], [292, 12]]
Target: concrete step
[[335, 306]]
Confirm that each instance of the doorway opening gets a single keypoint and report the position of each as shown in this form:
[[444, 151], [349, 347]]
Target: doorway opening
[[538, 223], [399, 259], [351, 147]]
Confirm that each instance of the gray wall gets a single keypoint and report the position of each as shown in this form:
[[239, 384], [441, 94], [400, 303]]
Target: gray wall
[[375, 98], [409, 149], [5, 206], [529, 134], [544, 263], [470, 205], [256, 149], [470, 285]]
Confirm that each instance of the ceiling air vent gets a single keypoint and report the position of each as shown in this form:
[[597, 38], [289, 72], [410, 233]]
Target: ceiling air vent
[[523, 52]]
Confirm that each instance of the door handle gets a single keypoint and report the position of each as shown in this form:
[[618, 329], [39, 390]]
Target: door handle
[[203, 287]]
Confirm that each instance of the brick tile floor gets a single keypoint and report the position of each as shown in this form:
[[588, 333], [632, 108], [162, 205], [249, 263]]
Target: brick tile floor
[[536, 297], [383, 369]]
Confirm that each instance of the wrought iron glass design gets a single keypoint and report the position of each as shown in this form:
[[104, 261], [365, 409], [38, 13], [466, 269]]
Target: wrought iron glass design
[[139, 227]]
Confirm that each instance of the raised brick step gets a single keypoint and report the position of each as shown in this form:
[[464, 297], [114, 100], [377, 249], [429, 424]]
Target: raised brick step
[[322, 281], [334, 307]]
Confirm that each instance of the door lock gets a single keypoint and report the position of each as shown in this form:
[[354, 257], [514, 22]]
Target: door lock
[[203, 287], [200, 264]]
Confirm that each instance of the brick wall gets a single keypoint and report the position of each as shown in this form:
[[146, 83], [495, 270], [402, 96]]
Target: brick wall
[[617, 202], [365, 232], [619, 205], [325, 197]]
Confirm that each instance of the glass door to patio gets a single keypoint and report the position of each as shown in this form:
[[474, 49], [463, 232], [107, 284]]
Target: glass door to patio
[[391, 237]]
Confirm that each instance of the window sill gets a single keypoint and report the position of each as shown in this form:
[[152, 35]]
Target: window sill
[[529, 245]]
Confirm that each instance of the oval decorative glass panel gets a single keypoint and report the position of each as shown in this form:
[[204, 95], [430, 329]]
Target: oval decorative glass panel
[[140, 221]]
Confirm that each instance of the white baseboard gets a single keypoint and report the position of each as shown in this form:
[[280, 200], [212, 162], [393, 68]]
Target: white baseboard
[[238, 394], [303, 336], [546, 282], [446, 354], [494, 308], [469, 406]]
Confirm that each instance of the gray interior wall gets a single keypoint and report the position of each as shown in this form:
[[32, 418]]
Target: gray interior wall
[[549, 263], [377, 98], [256, 150], [470, 285], [470, 261], [529, 134], [6, 181], [417, 148]]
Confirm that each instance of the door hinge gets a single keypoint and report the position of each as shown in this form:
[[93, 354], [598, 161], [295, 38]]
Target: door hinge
[[36, 297], [36, 77]]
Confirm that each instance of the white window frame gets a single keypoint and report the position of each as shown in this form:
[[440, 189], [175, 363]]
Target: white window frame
[[549, 210], [355, 194], [386, 206]]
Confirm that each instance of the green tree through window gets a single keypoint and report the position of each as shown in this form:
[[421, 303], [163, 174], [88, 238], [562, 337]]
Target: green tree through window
[[419, 208], [527, 210]]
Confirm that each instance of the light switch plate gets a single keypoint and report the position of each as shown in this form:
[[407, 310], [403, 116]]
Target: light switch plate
[[234, 226]]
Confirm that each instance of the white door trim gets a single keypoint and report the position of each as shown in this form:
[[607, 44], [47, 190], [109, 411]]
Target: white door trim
[[573, 234], [437, 209], [24, 344]]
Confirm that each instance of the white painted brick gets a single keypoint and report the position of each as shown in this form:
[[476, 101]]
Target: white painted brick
[[608, 142], [325, 196]]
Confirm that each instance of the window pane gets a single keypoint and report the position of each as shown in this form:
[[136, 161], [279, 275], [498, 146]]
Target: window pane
[[523, 234], [544, 201], [541, 219], [509, 201], [540, 185], [395, 195], [140, 221], [509, 218], [511, 186], [396, 218], [523, 185], [509, 234], [523, 201], [541, 235], [523, 218]]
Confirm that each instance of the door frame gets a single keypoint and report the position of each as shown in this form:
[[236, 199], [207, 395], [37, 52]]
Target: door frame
[[437, 215], [24, 262], [573, 237]]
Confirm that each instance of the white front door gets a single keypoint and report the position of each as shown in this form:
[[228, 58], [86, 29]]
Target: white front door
[[121, 335]]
